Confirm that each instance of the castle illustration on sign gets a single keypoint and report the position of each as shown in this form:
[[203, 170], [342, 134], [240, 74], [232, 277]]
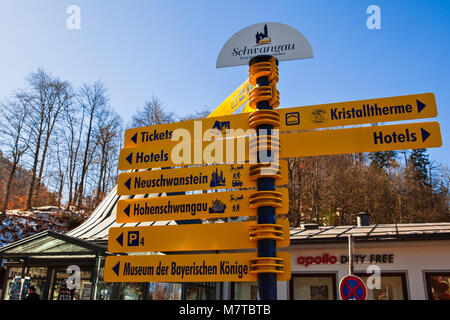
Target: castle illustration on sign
[[217, 207], [263, 37], [217, 180]]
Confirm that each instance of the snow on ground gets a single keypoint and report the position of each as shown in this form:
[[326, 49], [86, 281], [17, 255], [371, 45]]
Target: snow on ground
[[18, 224]]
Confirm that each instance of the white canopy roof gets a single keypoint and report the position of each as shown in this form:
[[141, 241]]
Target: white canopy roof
[[96, 227]]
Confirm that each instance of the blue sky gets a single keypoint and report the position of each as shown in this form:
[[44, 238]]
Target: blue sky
[[169, 48]]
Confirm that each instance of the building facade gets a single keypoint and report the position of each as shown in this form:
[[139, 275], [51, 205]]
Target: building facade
[[397, 261]]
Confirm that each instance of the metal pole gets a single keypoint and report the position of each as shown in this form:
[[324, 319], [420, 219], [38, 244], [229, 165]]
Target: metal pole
[[350, 254], [95, 277], [267, 282]]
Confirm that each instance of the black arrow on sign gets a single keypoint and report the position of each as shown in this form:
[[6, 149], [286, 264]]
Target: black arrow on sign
[[128, 183], [116, 268], [130, 158], [425, 134], [134, 138], [120, 239], [420, 106], [127, 211]]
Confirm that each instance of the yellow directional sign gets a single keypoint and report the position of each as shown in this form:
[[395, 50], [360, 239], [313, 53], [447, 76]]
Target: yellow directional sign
[[228, 176], [184, 152], [218, 121], [161, 135], [299, 144], [234, 267], [195, 206], [189, 237], [416, 106], [364, 139], [234, 101], [409, 107]]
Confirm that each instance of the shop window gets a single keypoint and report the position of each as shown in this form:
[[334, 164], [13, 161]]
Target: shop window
[[14, 272], [438, 285], [14, 284], [392, 287], [244, 291], [17, 287], [164, 291], [38, 276], [105, 290], [200, 291], [313, 286], [2, 276], [60, 291], [132, 291]]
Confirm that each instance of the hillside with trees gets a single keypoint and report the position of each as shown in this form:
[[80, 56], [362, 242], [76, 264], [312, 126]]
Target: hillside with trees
[[68, 139], [393, 187], [18, 186]]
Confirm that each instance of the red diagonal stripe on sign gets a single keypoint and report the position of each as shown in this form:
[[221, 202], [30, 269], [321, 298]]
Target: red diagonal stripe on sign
[[352, 291]]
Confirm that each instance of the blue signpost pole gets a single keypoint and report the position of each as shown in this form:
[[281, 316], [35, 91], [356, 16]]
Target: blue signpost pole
[[267, 282]]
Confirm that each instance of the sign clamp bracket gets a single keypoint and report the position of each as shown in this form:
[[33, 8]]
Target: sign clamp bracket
[[266, 231], [267, 265]]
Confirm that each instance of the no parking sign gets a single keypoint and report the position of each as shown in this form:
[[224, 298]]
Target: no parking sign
[[352, 288]]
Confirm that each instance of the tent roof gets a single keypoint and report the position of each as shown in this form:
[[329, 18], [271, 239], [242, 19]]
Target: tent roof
[[95, 228], [49, 243]]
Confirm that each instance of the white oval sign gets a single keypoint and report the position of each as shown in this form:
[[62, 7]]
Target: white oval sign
[[267, 38]]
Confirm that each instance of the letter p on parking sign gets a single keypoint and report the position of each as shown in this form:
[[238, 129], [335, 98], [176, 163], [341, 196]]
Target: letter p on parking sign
[[133, 238]]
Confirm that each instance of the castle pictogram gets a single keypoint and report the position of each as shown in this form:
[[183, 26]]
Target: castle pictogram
[[217, 207], [263, 37], [217, 180]]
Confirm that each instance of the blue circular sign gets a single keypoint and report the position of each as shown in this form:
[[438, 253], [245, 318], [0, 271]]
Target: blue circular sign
[[352, 288]]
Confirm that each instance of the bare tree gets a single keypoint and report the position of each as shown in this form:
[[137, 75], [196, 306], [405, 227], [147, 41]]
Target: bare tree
[[61, 169], [198, 114], [108, 138], [60, 97], [153, 113], [93, 99], [12, 125], [73, 118], [45, 99]]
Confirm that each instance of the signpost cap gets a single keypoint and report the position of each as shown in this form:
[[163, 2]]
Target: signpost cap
[[267, 38]]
